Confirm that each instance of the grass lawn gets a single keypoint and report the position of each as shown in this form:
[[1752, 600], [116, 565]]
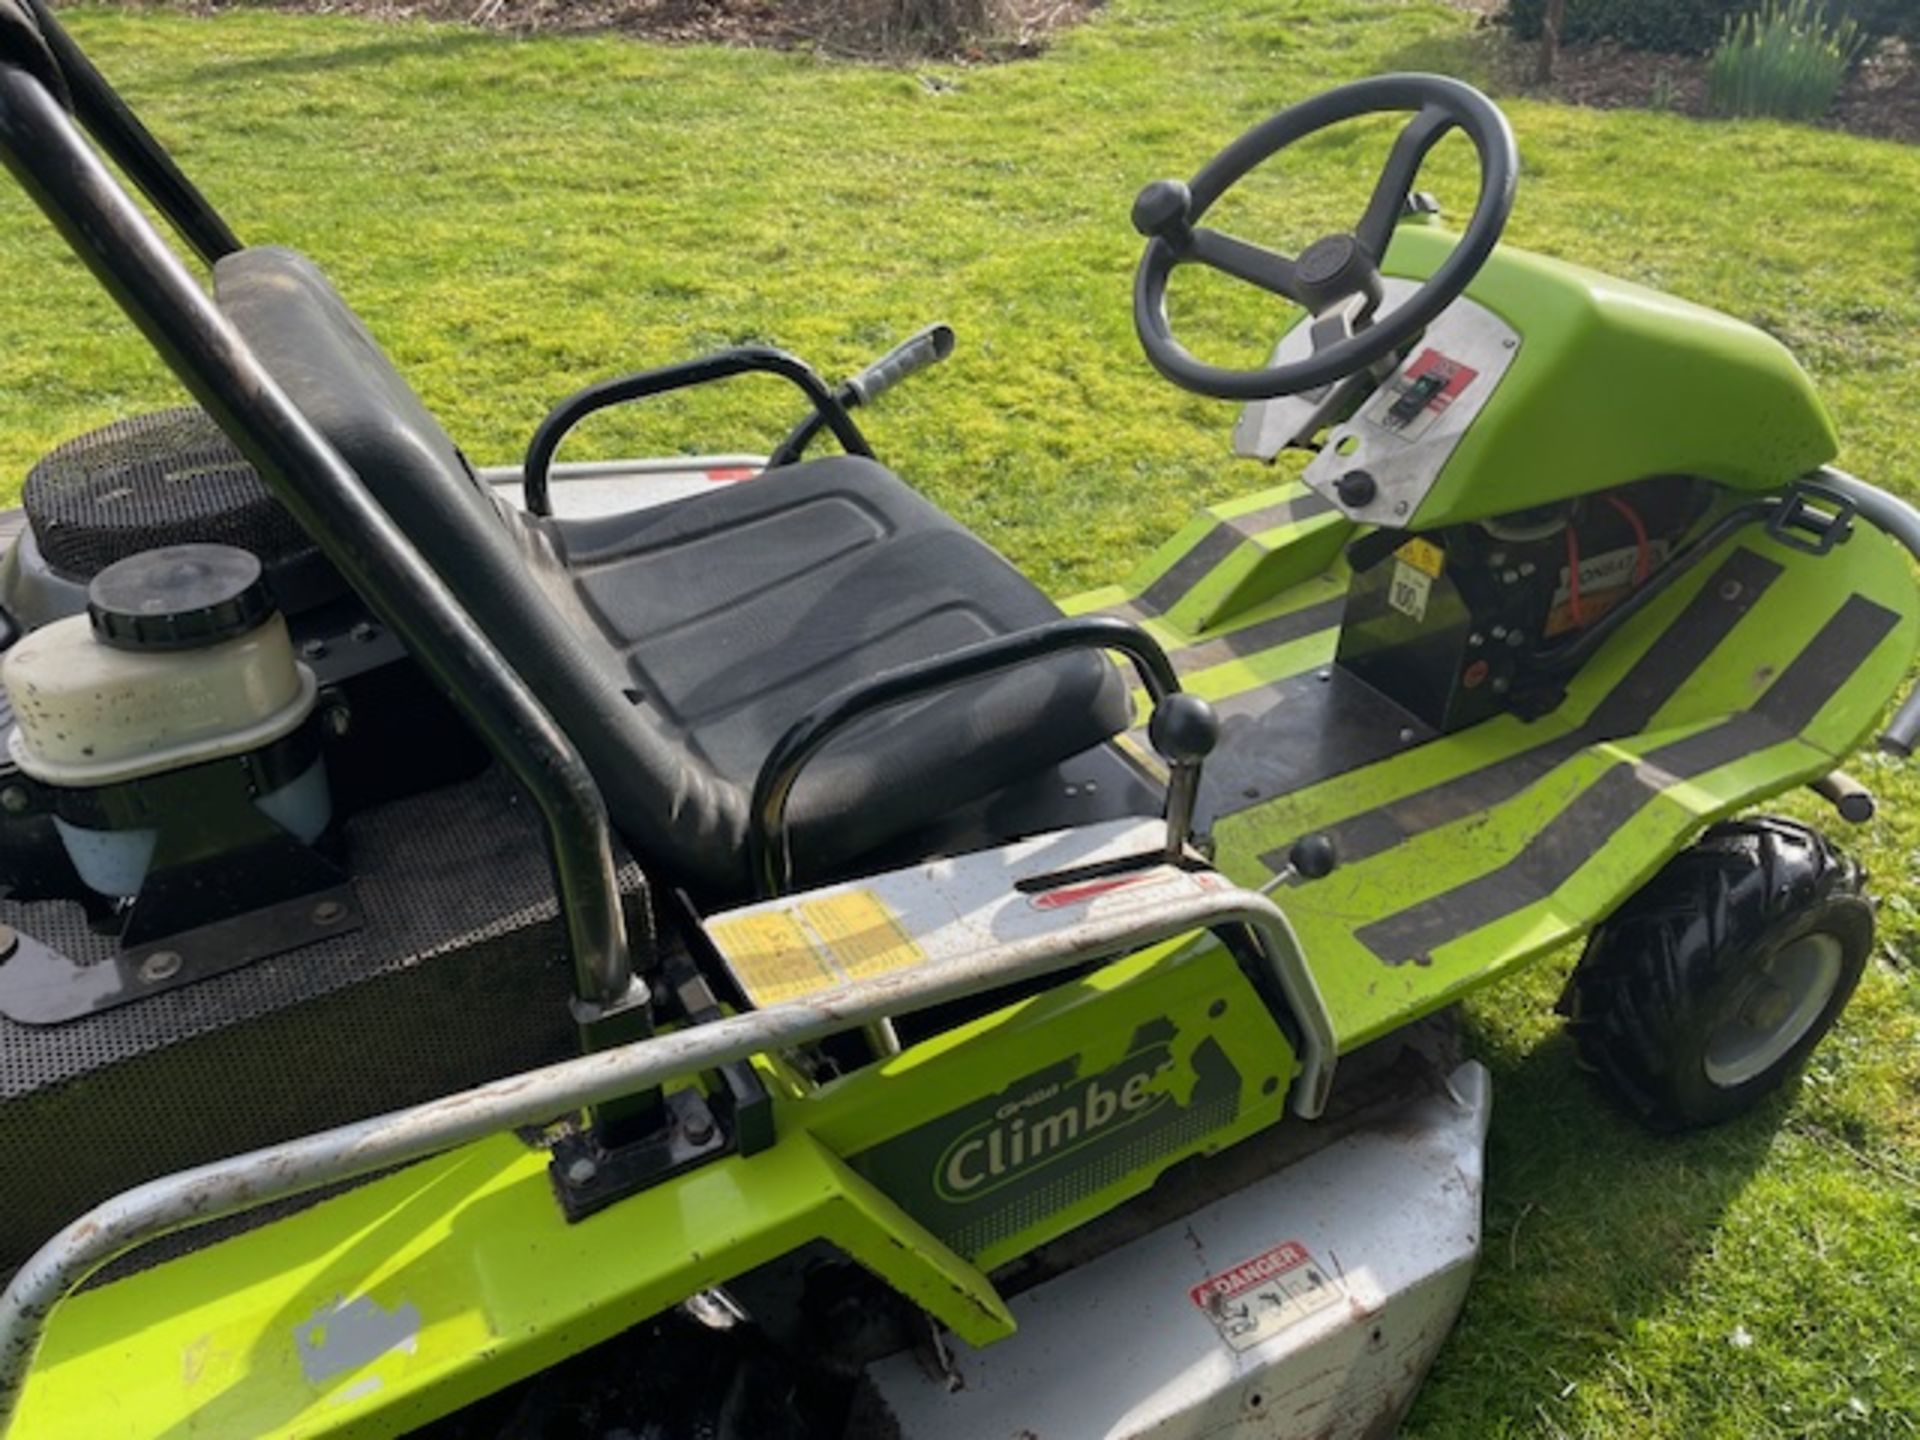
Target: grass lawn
[[517, 218]]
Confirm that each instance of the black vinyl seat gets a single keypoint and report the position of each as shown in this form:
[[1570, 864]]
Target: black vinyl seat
[[677, 644]]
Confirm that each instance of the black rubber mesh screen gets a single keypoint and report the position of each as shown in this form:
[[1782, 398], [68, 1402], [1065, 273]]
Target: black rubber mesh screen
[[459, 975], [163, 479]]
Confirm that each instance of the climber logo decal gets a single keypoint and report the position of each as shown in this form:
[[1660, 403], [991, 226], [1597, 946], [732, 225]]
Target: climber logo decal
[[1000, 1165], [1048, 1124]]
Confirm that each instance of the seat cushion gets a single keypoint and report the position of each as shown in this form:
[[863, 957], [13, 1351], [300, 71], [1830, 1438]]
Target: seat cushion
[[739, 611], [676, 645]]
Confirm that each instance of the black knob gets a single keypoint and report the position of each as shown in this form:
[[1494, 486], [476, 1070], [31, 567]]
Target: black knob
[[1355, 489], [1161, 209], [1313, 857], [1184, 729]]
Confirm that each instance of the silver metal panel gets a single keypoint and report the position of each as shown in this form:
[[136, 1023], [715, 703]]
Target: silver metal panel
[[1309, 1304], [1406, 458], [969, 910], [583, 489], [1266, 427]]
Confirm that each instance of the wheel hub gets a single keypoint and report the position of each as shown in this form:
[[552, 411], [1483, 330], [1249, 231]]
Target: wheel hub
[[1784, 1000]]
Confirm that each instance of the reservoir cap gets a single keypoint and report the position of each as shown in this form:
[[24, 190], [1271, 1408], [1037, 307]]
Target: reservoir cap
[[180, 597]]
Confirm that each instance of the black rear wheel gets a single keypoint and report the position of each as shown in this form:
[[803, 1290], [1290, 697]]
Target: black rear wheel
[[1711, 984]]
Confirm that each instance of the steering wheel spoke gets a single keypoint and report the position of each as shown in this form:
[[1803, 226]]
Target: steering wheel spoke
[[1251, 263], [1390, 191]]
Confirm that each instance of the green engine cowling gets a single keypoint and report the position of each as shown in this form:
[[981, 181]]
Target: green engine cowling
[[1613, 382]]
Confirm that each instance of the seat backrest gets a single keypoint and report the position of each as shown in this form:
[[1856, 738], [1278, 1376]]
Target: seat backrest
[[501, 566]]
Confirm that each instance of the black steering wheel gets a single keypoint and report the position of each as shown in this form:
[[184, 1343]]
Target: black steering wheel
[[1333, 273]]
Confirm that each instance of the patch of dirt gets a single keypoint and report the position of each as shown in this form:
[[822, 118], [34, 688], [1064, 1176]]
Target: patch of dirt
[[1881, 98], [964, 30]]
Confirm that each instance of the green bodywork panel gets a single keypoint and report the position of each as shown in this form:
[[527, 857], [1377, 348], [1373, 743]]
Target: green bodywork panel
[[1614, 382], [420, 1292], [411, 1296], [1476, 852]]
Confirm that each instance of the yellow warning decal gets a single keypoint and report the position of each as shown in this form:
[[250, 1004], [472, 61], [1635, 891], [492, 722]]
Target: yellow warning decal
[[787, 954], [771, 956], [861, 934], [1424, 556]]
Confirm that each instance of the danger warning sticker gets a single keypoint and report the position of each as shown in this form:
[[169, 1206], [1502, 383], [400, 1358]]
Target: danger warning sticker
[[1258, 1298]]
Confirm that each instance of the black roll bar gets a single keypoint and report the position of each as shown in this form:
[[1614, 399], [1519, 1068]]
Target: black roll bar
[[112, 122], [53, 162]]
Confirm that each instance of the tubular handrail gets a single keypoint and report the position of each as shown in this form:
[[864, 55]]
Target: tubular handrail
[[742, 360], [769, 852], [1902, 521], [41, 145], [276, 1172]]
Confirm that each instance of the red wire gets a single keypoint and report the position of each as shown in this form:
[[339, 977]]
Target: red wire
[[1643, 561], [1573, 578]]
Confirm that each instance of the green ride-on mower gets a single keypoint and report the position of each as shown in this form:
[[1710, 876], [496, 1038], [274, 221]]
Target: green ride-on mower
[[703, 948]]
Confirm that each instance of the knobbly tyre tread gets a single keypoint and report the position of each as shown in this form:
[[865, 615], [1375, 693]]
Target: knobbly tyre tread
[[1647, 991]]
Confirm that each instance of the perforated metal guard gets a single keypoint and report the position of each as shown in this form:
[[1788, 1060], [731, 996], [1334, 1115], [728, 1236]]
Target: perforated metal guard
[[163, 479], [460, 975]]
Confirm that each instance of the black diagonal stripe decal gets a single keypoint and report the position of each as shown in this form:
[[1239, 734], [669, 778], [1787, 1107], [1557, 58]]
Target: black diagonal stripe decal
[[1682, 648], [1189, 570], [1571, 838], [1267, 635], [1287, 512], [1213, 547]]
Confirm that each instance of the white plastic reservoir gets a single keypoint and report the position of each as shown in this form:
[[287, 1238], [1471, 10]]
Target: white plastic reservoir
[[180, 659]]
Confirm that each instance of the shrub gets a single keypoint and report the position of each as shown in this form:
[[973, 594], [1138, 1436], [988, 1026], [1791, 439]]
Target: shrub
[[1679, 27], [1887, 17], [1785, 59], [1693, 27]]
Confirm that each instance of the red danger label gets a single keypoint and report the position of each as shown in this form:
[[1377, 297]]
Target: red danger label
[[1445, 378], [1249, 1275], [1090, 890]]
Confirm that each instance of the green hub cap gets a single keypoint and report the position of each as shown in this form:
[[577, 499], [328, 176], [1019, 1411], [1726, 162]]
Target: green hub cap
[[1780, 1005]]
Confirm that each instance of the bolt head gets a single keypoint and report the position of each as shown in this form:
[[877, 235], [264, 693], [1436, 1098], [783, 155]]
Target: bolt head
[[14, 799], [580, 1171], [160, 965]]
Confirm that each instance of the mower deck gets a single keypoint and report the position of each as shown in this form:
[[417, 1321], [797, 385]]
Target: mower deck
[[1465, 855], [1310, 1300]]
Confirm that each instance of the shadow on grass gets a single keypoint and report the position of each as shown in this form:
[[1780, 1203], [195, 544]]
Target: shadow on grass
[[1484, 56], [317, 59], [1592, 1226]]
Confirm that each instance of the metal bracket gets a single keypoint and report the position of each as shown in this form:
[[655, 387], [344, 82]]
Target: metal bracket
[[41, 986], [588, 1175], [1812, 518]]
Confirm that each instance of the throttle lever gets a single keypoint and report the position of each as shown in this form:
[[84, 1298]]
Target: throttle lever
[[912, 355]]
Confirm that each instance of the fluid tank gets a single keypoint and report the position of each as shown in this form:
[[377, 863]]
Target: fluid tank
[[181, 659]]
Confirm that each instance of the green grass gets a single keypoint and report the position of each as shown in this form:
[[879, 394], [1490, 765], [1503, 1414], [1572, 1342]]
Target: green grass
[[517, 218]]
